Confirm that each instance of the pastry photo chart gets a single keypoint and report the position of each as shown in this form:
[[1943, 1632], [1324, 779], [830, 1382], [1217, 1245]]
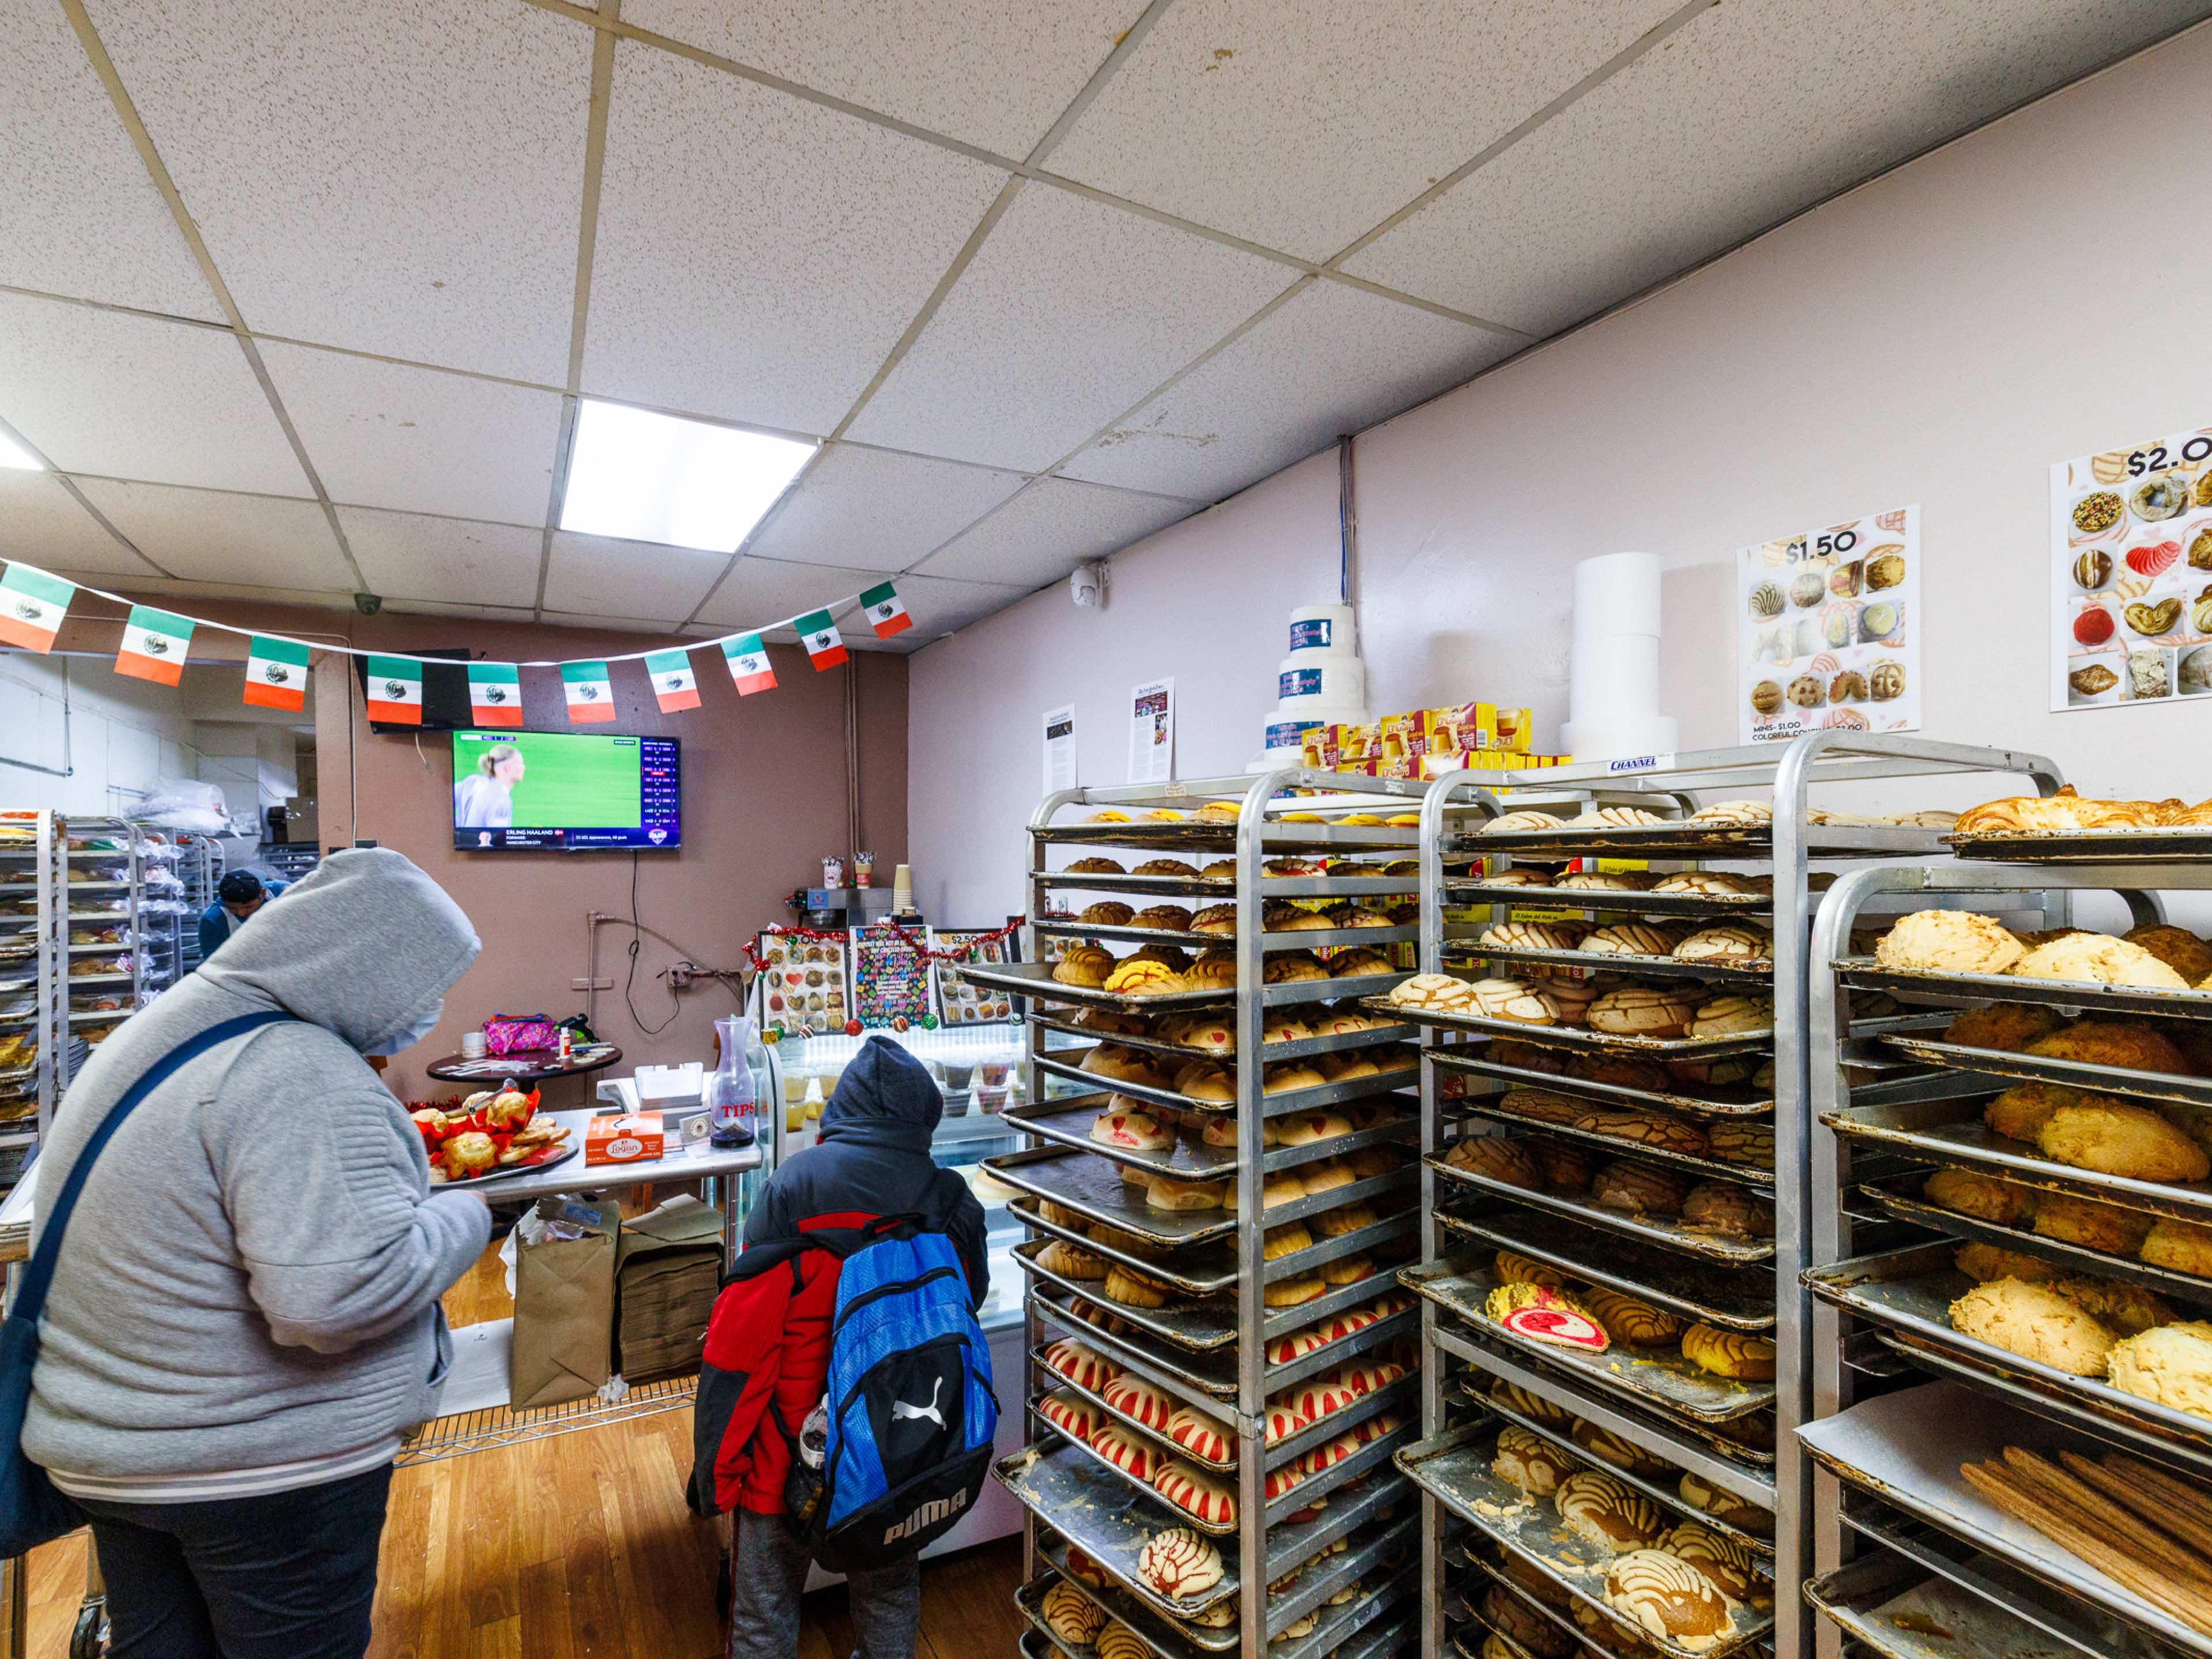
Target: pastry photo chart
[[2131, 574], [1827, 629]]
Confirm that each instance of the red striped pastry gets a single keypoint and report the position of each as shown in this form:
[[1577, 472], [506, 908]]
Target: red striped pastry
[[1129, 1455], [1351, 1322], [1196, 1493], [1139, 1401], [1297, 1346], [1285, 1420], [1327, 1456], [1391, 1302], [1321, 1398], [1381, 1424], [1085, 1367], [1071, 1412], [1355, 1376], [1284, 1480], [1201, 1435], [1391, 1371]]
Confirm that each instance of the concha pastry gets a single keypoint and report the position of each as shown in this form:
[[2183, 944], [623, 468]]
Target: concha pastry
[[1514, 823], [1134, 1457], [1884, 568], [1614, 817], [1949, 941], [1766, 600], [1728, 942], [1497, 1159], [2172, 1366], [1733, 1017], [1726, 1507], [1073, 1619], [1748, 1144], [1513, 1269], [1120, 1642], [1107, 913], [1179, 1564], [1514, 999], [1139, 1401], [1166, 1193], [1284, 1420], [1886, 681], [1727, 1211], [1669, 1598], [1328, 1454], [1201, 1436], [1806, 589], [1185, 1487], [1601, 1510], [1360, 1379], [1740, 814], [1639, 1190], [1706, 884], [2093, 957], [1734, 1354], [1609, 1447], [1379, 1427], [1642, 1011], [1095, 866], [1085, 1570], [1634, 939], [1321, 1397], [1070, 1262], [1633, 1321], [1537, 1409]]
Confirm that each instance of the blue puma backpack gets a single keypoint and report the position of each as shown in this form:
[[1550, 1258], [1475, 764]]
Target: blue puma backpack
[[912, 1415]]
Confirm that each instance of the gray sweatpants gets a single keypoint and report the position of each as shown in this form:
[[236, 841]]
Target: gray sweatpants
[[769, 1568]]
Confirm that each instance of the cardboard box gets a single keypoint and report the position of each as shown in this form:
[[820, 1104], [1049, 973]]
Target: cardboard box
[[635, 1139]]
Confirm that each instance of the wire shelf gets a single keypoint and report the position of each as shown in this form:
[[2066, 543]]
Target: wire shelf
[[501, 1426]]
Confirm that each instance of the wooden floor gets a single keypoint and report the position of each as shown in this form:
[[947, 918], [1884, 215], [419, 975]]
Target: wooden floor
[[576, 1548]]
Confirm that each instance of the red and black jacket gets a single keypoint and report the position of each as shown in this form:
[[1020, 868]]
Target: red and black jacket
[[767, 1360]]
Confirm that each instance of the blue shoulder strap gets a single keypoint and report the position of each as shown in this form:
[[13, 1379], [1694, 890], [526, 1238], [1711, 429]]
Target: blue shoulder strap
[[31, 1296]]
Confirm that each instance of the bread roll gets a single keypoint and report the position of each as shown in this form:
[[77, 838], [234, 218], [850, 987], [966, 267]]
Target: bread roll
[[1072, 1619], [1165, 1193], [1668, 1598], [1132, 1289], [1070, 1262], [1729, 1353], [1305, 1128], [1601, 1511], [1281, 1187], [1290, 1293]]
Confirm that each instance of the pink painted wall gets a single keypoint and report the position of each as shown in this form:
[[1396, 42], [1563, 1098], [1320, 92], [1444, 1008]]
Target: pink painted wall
[[1940, 336]]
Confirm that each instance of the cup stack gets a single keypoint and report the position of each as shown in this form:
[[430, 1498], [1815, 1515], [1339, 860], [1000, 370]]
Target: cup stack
[[1613, 685]]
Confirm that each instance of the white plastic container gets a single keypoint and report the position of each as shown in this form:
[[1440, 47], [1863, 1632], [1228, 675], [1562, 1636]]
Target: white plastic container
[[1323, 630]]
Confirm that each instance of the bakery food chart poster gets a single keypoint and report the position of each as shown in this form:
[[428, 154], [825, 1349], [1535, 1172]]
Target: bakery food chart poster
[[803, 982], [890, 980], [959, 1003], [1828, 630], [2131, 574]]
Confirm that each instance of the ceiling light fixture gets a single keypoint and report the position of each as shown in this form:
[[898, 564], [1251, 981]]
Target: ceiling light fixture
[[648, 477], [14, 455]]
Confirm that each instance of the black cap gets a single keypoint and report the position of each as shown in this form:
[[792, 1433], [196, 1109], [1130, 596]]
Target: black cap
[[239, 887]]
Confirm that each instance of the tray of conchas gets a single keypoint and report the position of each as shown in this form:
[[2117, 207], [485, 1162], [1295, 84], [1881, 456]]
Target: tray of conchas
[[1666, 895], [1739, 951], [489, 1135], [1725, 830], [2065, 828], [2154, 969], [1735, 1151], [1737, 1299], [1213, 828], [1206, 1087], [1664, 1021], [1734, 1085], [1186, 1038]]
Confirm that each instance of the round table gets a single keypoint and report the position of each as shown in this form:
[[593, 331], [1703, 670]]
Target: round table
[[523, 1066]]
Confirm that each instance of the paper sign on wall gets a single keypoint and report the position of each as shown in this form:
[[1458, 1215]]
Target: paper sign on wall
[[2131, 574], [1151, 731], [1059, 749], [1828, 630]]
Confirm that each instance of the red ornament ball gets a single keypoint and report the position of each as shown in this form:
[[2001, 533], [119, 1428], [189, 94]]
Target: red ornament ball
[[852, 1028]]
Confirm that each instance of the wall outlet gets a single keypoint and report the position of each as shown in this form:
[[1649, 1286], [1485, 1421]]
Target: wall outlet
[[591, 985]]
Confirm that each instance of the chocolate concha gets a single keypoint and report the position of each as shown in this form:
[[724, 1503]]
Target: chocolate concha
[[1072, 1618], [1531, 1463], [1668, 1598], [1720, 1557], [1748, 1144], [1537, 1409], [2092, 569], [1604, 1512], [1727, 1211], [1639, 1190], [1637, 1323], [1179, 1564]]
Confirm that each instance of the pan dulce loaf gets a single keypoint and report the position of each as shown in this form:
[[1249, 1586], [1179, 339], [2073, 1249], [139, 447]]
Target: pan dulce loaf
[[1727, 1211], [2010, 1026], [1728, 1353], [2097, 1043], [1655, 1129], [1668, 1598], [1949, 941], [1639, 1190], [1498, 1158], [2176, 947], [1083, 965], [1641, 1011], [1603, 1511], [2095, 958], [1630, 939]]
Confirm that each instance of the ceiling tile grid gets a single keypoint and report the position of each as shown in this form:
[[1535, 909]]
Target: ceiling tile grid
[[404, 179], [939, 607], [409, 556], [638, 581], [1302, 124], [759, 591], [1050, 528], [214, 536], [757, 256], [79, 215], [950, 65], [1331, 359], [130, 396], [42, 524], [878, 509], [1071, 312]]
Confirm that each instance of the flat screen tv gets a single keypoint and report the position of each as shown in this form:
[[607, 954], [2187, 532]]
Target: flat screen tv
[[566, 792]]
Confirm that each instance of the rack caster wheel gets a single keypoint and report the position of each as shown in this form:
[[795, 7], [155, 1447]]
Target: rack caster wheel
[[88, 1639]]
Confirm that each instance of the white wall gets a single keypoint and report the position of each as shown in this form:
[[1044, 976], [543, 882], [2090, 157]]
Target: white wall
[[2031, 293], [122, 734]]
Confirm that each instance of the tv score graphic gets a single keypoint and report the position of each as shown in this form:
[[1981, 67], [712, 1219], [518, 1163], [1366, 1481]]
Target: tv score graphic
[[566, 792]]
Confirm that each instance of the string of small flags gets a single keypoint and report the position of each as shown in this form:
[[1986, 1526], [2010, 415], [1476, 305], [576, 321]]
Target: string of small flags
[[155, 643]]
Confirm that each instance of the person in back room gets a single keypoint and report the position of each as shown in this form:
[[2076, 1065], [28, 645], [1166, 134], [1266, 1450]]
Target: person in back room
[[237, 896], [245, 1316], [485, 800], [872, 1159]]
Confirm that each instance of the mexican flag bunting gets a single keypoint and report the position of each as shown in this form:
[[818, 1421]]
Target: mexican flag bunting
[[749, 667], [591, 693], [495, 693], [886, 610], [674, 685], [825, 646], [395, 690], [31, 605], [276, 674], [154, 646]]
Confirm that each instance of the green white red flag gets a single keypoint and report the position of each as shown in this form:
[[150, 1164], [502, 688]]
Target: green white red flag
[[32, 606], [749, 665], [674, 686], [591, 693], [155, 643], [276, 674], [495, 693], [395, 690], [825, 646], [886, 611]]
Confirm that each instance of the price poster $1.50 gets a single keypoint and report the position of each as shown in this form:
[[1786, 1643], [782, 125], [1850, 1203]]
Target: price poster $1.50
[[2131, 574], [1827, 629]]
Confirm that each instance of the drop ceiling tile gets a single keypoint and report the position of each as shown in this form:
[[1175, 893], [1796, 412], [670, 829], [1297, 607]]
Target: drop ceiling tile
[[598, 576], [996, 73], [762, 592], [940, 607], [212, 536], [81, 216], [126, 397], [411, 555], [593, 619], [499, 613], [759, 255], [1652, 170], [1302, 124], [878, 509], [417, 440], [1333, 360], [42, 524], [1070, 312], [404, 179], [1046, 532]]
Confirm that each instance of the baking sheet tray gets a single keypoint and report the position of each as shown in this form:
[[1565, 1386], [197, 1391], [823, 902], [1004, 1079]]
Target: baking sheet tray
[[1043, 1430], [1168, 1638], [1219, 840], [1492, 1575], [1680, 841], [1933, 1129], [1093, 1187], [1034, 980], [1203, 1380], [1458, 893], [1340, 1628], [1273, 940], [1705, 1169], [1455, 1469], [1900, 1197], [1661, 1378], [1198, 1326], [2092, 999], [1714, 1102], [2185, 845], [1667, 1235], [1303, 1047], [1281, 1104], [1069, 1121], [1199, 1270], [1894, 1608], [1737, 1300], [1055, 1383], [1568, 1036], [1754, 973], [1108, 1517], [2070, 1073], [1909, 1293], [1906, 1448]]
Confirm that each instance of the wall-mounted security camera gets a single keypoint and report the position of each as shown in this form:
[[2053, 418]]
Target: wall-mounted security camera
[[1087, 586], [368, 604]]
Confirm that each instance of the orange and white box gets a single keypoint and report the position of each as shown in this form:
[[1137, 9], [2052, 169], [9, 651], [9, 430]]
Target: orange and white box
[[635, 1139]]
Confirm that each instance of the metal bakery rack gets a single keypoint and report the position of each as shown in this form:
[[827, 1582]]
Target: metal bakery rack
[[1734, 1438], [1325, 1563], [1902, 1400]]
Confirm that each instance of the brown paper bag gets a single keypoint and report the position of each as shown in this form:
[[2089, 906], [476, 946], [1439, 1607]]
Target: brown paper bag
[[564, 1312], [667, 1273]]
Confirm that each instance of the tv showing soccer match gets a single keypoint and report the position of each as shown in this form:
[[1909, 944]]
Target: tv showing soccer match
[[565, 792]]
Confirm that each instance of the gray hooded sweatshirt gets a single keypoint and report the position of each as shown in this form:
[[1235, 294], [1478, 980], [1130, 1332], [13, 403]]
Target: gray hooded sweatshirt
[[247, 1295]]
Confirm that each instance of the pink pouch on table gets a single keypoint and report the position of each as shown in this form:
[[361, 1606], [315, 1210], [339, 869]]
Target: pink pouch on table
[[505, 1033]]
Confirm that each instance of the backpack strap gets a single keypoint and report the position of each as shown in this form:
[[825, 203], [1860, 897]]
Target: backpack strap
[[39, 1273]]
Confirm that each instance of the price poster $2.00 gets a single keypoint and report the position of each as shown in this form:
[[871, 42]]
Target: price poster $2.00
[[2131, 574], [1827, 629]]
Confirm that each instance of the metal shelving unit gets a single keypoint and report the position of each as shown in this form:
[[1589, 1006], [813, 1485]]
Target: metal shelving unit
[[1716, 1431], [32, 988], [103, 890], [1217, 1346], [200, 871], [1902, 1400]]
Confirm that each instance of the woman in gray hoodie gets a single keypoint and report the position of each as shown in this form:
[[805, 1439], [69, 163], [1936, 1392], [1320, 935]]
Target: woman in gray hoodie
[[245, 1316]]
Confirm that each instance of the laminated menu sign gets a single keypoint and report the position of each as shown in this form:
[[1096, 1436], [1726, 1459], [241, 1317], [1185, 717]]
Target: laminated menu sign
[[1827, 629], [803, 983], [959, 1003], [2131, 574], [1151, 731], [890, 980]]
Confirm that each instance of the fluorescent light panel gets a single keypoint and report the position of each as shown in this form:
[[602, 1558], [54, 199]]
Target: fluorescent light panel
[[648, 477], [13, 454]]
